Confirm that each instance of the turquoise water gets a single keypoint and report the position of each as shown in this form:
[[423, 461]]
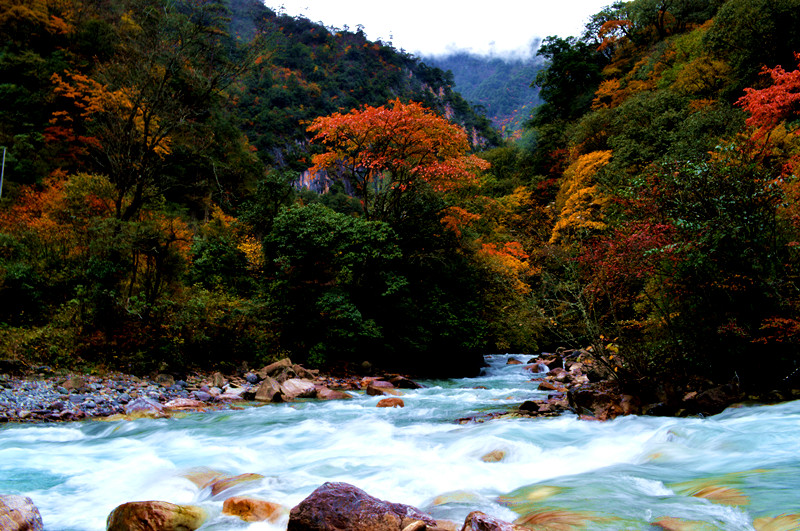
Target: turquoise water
[[622, 474]]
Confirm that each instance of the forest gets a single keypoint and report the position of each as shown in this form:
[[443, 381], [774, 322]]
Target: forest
[[197, 184], [498, 85]]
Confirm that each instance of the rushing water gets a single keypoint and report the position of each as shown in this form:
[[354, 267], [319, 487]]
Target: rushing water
[[622, 474]]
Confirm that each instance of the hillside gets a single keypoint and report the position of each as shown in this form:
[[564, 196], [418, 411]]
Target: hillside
[[501, 86], [149, 215], [649, 218]]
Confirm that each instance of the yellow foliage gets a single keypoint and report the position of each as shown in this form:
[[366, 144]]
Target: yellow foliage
[[251, 248], [579, 202], [703, 77], [510, 261]]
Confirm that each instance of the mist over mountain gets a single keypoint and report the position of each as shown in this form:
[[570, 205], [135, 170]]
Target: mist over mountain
[[499, 85]]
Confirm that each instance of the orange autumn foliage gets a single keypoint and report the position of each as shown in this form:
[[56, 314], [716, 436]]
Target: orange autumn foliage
[[774, 111], [84, 97], [455, 218], [394, 147], [510, 261]]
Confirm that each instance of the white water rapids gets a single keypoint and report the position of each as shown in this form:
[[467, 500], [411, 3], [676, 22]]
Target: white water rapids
[[622, 474]]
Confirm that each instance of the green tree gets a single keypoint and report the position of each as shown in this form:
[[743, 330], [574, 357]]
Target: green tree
[[568, 83], [332, 274], [752, 34]]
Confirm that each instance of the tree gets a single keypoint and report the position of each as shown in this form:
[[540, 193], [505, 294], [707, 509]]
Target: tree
[[579, 201], [779, 102], [333, 273], [387, 152], [751, 34], [568, 83], [169, 74]]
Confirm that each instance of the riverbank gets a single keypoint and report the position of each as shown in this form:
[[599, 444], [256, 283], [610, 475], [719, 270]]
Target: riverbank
[[630, 472], [572, 381], [57, 398]]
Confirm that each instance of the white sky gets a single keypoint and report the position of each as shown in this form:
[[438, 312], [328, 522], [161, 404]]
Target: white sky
[[432, 27]]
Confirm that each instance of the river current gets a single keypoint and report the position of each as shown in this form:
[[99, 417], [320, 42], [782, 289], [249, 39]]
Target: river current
[[722, 472]]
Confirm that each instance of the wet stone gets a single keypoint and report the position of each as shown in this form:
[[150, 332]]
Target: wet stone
[[201, 395]]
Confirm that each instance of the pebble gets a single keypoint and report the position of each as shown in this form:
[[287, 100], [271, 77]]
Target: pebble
[[48, 400]]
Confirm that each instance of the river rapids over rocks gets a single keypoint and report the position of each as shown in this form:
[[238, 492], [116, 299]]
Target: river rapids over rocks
[[739, 470]]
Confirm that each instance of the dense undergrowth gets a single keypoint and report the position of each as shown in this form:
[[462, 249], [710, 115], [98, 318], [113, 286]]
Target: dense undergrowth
[[151, 216]]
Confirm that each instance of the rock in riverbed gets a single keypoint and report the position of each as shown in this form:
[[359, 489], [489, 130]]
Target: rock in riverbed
[[253, 510], [335, 506], [155, 516], [18, 513]]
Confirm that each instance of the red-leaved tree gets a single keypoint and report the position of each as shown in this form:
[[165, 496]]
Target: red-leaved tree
[[386, 152]]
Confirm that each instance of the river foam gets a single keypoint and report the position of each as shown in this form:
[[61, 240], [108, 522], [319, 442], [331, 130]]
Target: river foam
[[622, 474]]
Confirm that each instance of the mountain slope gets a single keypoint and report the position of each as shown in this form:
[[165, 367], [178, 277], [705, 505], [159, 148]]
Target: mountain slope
[[500, 86]]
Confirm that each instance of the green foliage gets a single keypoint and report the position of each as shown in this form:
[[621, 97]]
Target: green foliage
[[498, 85], [729, 257], [568, 83], [693, 269], [751, 34], [329, 280], [217, 263]]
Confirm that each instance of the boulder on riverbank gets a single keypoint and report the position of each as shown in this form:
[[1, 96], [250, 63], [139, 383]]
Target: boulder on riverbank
[[143, 406], [18, 513], [269, 391], [155, 516], [298, 388], [337, 506]]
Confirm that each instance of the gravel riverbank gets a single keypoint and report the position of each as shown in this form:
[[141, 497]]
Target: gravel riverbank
[[78, 397], [51, 398]]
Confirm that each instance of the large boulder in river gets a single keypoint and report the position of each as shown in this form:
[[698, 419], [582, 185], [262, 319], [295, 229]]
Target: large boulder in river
[[155, 516], [269, 391], [324, 393], [338, 506], [391, 402], [298, 388], [18, 513]]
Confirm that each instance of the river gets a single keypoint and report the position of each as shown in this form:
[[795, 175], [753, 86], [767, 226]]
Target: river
[[621, 474]]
